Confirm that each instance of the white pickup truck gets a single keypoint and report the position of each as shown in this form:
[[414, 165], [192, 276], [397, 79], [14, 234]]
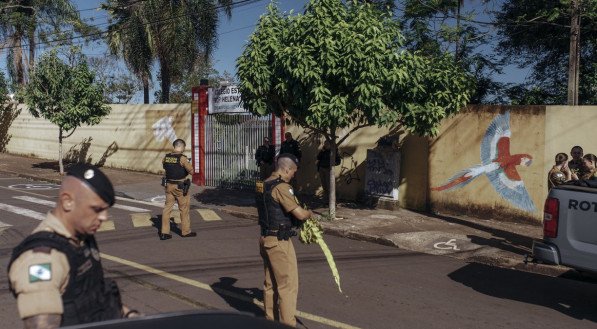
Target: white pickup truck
[[570, 227]]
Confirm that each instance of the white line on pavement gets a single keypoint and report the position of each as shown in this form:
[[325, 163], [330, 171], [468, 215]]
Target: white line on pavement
[[23, 211], [52, 203], [155, 204]]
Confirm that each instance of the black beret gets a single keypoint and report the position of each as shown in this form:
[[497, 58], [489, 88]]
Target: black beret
[[291, 157], [95, 179]]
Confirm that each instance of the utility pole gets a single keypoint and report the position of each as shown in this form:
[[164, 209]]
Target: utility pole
[[574, 61]]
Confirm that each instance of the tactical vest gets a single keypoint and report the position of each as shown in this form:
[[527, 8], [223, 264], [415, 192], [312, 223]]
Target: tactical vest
[[88, 296], [174, 170], [271, 214]]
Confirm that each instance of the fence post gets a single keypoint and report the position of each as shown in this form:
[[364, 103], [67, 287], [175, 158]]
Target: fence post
[[199, 111]]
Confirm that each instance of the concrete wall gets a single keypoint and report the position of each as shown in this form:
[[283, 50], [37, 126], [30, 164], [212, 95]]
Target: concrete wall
[[124, 139]]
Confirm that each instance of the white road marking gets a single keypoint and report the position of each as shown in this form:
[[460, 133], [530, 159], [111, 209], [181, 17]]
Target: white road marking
[[22, 211], [141, 220], [37, 186], [451, 244], [52, 203], [107, 226], [35, 200], [155, 204]]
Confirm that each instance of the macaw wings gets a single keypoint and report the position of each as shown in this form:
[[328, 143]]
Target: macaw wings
[[511, 190], [497, 139]]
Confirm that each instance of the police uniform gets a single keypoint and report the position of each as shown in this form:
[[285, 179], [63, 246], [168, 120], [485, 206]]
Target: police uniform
[[53, 272], [177, 167], [275, 201]]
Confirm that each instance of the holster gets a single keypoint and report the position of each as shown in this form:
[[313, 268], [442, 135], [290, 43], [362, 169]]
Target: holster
[[164, 181], [285, 232], [186, 185]]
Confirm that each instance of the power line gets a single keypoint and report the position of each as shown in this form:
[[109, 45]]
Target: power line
[[238, 4]]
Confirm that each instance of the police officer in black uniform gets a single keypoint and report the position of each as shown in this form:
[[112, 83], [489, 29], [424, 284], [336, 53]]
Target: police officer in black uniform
[[56, 273], [177, 167], [279, 211]]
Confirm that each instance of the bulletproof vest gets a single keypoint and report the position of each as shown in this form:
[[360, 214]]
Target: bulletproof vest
[[174, 170], [88, 296], [271, 214]]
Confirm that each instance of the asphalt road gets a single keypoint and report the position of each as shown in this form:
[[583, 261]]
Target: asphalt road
[[382, 287]]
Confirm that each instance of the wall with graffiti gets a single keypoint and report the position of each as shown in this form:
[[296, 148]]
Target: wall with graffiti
[[132, 137], [489, 161]]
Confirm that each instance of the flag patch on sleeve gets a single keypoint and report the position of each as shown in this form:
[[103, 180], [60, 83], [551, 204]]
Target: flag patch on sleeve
[[40, 272]]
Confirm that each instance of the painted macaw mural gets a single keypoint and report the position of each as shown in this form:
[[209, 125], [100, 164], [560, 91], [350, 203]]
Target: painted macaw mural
[[499, 166]]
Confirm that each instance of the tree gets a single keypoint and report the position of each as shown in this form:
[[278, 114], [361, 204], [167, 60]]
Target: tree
[[129, 37], [180, 92], [65, 94], [342, 65], [119, 85], [537, 34], [437, 26], [25, 22], [177, 32]]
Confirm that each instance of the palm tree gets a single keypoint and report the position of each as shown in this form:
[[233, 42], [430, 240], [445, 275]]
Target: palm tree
[[24, 22], [129, 37], [176, 33]]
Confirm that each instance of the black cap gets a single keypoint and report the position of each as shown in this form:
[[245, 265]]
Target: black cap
[[95, 179], [290, 156]]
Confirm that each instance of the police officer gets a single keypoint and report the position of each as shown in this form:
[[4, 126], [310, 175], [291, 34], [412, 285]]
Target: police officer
[[177, 167], [264, 156], [290, 145], [278, 210], [55, 273]]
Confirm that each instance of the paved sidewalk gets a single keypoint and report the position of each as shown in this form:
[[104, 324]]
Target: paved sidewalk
[[478, 240]]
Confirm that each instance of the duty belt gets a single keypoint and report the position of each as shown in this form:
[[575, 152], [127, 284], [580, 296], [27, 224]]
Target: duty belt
[[266, 232]]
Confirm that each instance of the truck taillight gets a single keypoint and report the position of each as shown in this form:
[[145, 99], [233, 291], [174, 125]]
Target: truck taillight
[[550, 218]]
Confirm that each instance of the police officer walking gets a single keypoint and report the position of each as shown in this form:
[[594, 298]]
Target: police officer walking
[[278, 209], [56, 273], [177, 167]]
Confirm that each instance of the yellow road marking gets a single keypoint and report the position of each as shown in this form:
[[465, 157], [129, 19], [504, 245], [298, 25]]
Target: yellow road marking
[[208, 215], [204, 286], [107, 226], [141, 219]]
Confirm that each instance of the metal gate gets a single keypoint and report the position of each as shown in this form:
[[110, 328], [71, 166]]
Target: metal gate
[[230, 144]]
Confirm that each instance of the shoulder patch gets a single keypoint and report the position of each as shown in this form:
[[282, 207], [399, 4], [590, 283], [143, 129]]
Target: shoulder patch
[[40, 272]]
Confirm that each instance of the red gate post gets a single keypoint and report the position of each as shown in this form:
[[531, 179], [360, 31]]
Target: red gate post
[[199, 105]]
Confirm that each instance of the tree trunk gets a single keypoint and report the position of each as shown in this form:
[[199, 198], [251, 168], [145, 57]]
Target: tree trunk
[[18, 60], [165, 74], [60, 164], [332, 178], [457, 50], [145, 90], [574, 60], [31, 51]]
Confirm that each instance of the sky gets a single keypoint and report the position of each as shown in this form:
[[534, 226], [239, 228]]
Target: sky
[[232, 34]]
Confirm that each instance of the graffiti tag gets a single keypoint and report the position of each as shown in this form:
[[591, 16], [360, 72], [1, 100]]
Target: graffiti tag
[[162, 129]]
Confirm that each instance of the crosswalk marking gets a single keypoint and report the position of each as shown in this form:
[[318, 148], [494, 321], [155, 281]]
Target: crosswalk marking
[[35, 200], [141, 219], [23, 211], [208, 215], [52, 203], [107, 226], [4, 226], [155, 204]]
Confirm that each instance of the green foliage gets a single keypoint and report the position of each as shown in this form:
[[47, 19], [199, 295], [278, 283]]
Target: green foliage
[[65, 93], [536, 34], [342, 64], [312, 232]]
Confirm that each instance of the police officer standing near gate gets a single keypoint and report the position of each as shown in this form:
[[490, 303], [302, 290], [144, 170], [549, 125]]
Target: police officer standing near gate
[[278, 210], [56, 273], [177, 167]]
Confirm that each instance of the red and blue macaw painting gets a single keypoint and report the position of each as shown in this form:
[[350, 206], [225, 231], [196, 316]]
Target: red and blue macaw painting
[[499, 166]]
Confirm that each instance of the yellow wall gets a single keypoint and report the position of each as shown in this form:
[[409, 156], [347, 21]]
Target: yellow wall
[[124, 139], [458, 146]]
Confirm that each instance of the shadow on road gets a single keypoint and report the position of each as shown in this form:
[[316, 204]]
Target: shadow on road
[[573, 298], [238, 298]]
